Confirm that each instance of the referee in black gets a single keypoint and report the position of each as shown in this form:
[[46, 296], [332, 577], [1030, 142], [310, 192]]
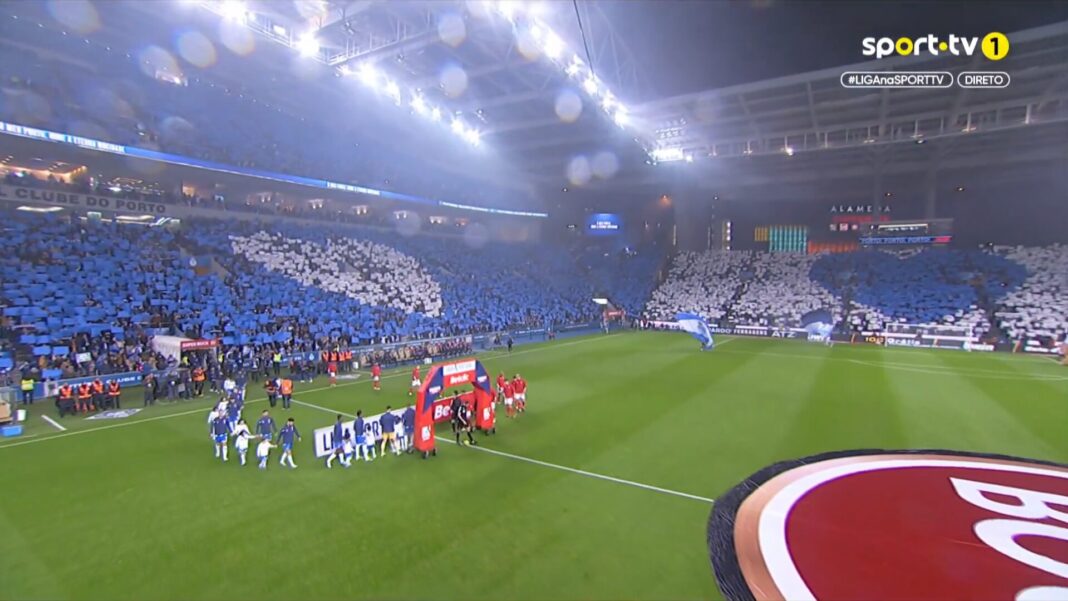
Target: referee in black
[[463, 424], [454, 410]]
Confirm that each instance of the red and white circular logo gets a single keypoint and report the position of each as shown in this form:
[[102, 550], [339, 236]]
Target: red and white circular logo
[[932, 525]]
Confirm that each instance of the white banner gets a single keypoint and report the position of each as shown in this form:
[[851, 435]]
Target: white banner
[[324, 437]]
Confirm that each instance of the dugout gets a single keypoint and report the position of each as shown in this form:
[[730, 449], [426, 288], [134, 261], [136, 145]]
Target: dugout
[[432, 405]]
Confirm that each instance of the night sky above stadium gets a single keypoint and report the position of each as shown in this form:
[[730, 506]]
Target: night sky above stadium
[[712, 44]]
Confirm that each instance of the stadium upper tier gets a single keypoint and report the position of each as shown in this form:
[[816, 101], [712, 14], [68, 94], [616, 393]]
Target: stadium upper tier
[[293, 289], [94, 91], [1023, 291]]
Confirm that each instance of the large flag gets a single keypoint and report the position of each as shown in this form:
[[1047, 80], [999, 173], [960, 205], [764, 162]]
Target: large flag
[[819, 324], [697, 327]]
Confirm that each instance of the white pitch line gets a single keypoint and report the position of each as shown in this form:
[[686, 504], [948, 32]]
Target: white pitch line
[[544, 463], [398, 374], [54, 423], [575, 470]]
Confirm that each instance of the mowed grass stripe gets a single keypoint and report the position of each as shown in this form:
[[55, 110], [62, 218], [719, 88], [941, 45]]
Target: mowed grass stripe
[[394, 373]]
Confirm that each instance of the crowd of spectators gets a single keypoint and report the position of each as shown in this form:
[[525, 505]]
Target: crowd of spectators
[[700, 282], [83, 297], [1025, 290], [1039, 307]]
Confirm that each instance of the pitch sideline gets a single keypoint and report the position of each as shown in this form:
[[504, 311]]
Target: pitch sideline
[[263, 399]]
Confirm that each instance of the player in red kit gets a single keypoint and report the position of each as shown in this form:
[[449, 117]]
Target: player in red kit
[[500, 387], [376, 377], [417, 381], [331, 370], [519, 387], [509, 399]]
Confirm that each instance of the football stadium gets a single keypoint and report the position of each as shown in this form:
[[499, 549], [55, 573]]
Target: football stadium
[[548, 299]]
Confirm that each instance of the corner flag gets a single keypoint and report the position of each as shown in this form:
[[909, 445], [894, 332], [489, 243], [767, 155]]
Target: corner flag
[[698, 328]]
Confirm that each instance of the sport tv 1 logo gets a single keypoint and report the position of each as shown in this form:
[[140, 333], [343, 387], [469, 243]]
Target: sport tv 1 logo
[[935, 525]]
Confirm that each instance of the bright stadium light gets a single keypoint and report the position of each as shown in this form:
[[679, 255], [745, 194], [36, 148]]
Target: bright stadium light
[[789, 150], [574, 68], [457, 126], [344, 70], [392, 90], [554, 46], [590, 85], [664, 155], [507, 8], [472, 136], [418, 105], [234, 10], [537, 32], [368, 74], [621, 118], [279, 30], [435, 114], [308, 45]]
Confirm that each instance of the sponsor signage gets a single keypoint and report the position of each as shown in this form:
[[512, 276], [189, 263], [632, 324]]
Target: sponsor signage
[[856, 209], [95, 202], [199, 345], [324, 437], [116, 414], [936, 525], [904, 240]]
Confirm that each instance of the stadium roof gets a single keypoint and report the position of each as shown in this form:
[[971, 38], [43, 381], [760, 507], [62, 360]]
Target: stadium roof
[[520, 75]]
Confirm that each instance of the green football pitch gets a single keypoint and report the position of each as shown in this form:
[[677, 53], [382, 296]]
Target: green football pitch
[[602, 490]]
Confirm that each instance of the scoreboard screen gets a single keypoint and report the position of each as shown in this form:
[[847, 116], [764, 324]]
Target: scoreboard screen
[[604, 224]]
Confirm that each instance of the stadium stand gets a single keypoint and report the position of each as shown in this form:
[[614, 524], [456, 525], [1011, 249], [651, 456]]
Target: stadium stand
[[1022, 290], [1039, 308], [704, 283], [104, 288]]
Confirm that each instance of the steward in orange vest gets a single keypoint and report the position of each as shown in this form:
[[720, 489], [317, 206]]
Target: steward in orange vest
[[272, 392], [98, 393], [287, 392], [65, 400], [114, 392], [84, 397]]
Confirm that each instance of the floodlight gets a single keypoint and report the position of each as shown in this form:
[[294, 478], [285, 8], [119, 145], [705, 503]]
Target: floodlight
[[590, 85], [308, 45], [368, 74], [234, 10], [553, 45], [457, 126], [621, 118], [435, 114], [392, 90], [418, 104]]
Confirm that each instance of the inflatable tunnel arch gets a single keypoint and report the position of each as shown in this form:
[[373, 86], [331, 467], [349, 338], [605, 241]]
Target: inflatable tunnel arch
[[430, 407]]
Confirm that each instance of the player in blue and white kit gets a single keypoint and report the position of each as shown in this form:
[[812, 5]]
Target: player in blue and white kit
[[265, 427], [365, 440], [401, 441], [220, 429], [336, 442], [263, 450], [347, 449], [286, 435], [241, 436], [409, 427], [233, 414]]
